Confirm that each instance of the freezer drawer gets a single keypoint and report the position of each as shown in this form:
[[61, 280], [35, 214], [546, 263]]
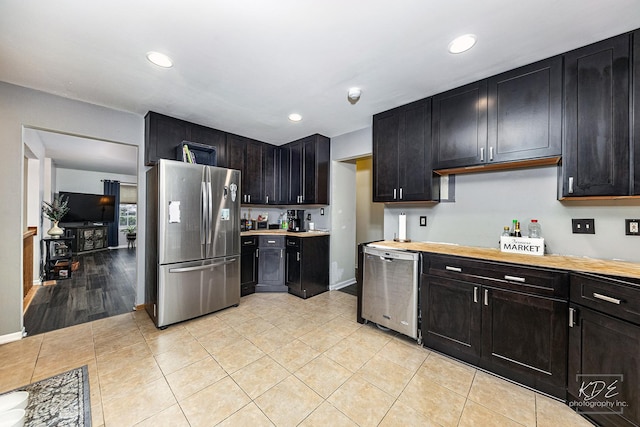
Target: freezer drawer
[[390, 290], [192, 289]]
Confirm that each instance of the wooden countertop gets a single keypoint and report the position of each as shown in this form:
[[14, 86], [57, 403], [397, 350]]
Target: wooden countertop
[[561, 262], [279, 232]]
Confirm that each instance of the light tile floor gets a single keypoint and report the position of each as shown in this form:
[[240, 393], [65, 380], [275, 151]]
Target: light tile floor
[[274, 360]]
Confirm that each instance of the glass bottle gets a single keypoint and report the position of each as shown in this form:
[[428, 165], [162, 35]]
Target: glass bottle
[[513, 227], [506, 231], [517, 232], [534, 229]]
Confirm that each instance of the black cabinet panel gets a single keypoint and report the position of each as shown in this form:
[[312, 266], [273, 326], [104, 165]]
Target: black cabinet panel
[[245, 155], [307, 265], [636, 114], [525, 112], [248, 265], [402, 154], [460, 126], [211, 137], [596, 111], [308, 170], [162, 135]]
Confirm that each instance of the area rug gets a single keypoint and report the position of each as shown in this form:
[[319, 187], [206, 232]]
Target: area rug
[[61, 400]]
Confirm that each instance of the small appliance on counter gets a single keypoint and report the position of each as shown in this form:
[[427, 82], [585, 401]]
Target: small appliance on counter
[[295, 218]]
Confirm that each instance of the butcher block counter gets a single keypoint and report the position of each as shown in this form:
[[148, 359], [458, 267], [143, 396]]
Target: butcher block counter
[[561, 262], [279, 232]]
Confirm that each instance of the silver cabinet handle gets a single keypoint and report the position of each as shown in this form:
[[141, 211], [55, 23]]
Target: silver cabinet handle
[[394, 194], [515, 278], [475, 294], [271, 241], [258, 253], [297, 256], [491, 153], [607, 298], [400, 193], [267, 199], [248, 242], [482, 154], [572, 314], [570, 184], [249, 197], [456, 269], [486, 297], [281, 253]]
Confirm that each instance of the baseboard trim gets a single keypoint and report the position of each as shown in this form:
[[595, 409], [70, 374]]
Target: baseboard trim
[[16, 336], [343, 284], [140, 307]]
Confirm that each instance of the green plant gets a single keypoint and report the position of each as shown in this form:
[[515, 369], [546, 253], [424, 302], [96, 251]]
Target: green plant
[[130, 229], [57, 209]]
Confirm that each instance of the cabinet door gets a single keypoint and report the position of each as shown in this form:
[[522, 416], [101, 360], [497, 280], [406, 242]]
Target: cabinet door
[[605, 349], [213, 137], [271, 175], [295, 172], [636, 113], [415, 177], [525, 338], [596, 106], [386, 138], [460, 126], [248, 267], [235, 155], [162, 135], [282, 159], [451, 317], [253, 180], [292, 268], [525, 112], [271, 267], [316, 155]]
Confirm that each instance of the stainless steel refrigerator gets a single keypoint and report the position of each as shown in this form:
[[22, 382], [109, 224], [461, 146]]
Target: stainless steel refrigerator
[[192, 241]]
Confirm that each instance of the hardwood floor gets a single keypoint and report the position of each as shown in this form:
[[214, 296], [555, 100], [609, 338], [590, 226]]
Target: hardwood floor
[[103, 286]]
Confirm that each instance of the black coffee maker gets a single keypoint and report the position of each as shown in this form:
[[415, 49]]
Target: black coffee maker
[[295, 217]]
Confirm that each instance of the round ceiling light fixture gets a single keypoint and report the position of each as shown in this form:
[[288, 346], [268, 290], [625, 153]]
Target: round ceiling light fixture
[[462, 43], [295, 117], [159, 59]]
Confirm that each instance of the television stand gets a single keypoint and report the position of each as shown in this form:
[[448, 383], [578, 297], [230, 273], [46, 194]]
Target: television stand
[[87, 238]]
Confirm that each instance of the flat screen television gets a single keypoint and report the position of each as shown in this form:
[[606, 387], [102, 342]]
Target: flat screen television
[[91, 208]]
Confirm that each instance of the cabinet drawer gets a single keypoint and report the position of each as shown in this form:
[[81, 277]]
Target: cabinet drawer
[[251, 241], [293, 242], [535, 280], [619, 297], [272, 241]]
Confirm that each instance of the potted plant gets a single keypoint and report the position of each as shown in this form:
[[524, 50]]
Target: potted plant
[[55, 211], [131, 235]]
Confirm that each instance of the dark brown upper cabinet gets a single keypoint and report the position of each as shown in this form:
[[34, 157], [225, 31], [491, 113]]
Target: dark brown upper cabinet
[[635, 190], [596, 150], [246, 155], [525, 112], [513, 117], [163, 134], [402, 170], [276, 173], [308, 170], [460, 126]]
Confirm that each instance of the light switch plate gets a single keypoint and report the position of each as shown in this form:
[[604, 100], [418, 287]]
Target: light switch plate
[[423, 221], [583, 226], [632, 227]]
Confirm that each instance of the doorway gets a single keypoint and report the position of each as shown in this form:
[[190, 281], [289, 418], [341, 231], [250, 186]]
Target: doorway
[[101, 282]]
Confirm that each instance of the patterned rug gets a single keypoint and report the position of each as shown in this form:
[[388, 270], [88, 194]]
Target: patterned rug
[[62, 400]]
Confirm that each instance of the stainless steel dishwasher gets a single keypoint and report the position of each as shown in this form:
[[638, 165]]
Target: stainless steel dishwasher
[[390, 289]]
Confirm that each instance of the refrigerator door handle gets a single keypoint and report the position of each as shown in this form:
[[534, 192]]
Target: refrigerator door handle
[[209, 213], [202, 267], [203, 216]]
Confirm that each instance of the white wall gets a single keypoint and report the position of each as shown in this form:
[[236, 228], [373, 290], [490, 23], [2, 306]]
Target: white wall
[[79, 181], [343, 224], [369, 215], [486, 202], [22, 107]]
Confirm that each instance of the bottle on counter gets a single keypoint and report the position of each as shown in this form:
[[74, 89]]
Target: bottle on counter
[[513, 228], [517, 232], [506, 231], [535, 230]]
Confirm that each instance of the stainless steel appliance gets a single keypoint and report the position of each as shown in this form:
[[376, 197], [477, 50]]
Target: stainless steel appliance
[[390, 289], [295, 217], [192, 240]]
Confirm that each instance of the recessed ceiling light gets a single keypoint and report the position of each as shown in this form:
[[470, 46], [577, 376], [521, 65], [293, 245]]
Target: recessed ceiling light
[[159, 59], [295, 117], [462, 43]]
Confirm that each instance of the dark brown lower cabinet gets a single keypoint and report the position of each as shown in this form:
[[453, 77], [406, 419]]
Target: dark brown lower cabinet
[[604, 350], [492, 322], [248, 265], [307, 265]]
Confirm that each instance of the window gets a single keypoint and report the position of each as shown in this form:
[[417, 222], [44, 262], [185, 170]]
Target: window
[[128, 215]]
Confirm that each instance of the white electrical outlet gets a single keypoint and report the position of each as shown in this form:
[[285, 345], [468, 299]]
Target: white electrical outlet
[[632, 227]]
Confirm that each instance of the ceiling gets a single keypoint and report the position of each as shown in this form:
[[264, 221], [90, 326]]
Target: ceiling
[[242, 66]]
